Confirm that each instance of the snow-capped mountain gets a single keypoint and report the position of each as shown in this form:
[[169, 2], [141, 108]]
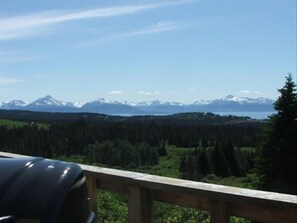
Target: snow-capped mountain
[[232, 98], [50, 104], [160, 107], [104, 106], [153, 103], [13, 104], [77, 104], [47, 101], [241, 100], [68, 104], [233, 103], [202, 102], [104, 101]]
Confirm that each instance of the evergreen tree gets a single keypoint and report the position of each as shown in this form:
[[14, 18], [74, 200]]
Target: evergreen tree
[[203, 164], [229, 152], [277, 165], [183, 167], [162, 149], [219, 162]]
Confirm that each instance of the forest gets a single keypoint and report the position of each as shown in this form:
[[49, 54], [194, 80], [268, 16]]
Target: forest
[[183, 146], [128, 141]]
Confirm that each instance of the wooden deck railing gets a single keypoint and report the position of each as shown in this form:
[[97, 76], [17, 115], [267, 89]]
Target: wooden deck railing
[[221, 201]]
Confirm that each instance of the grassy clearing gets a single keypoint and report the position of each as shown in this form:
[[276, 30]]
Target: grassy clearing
[[19, 124], [168, 166], [248, 181], [11, 123]]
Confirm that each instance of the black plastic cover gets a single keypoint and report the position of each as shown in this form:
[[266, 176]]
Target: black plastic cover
[[37, 190]]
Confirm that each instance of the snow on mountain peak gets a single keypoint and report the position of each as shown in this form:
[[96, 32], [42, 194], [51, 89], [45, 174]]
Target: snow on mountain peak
[[102, 101], [230, 97], [202, 102], [14, 103], [149, 106], [153, 103], [245, 99], [78, 104], [47, 101]]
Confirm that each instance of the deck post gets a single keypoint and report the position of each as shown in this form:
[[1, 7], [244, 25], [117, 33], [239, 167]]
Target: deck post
[[140, 205], [219, 212], [92, 187]]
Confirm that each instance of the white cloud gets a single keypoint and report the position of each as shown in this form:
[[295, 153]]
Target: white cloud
[[35, 23], [245, 92], [144, 92], [5, 80], [149, 30], [250, 92], [148, 92], [156, 28], [116, 92]]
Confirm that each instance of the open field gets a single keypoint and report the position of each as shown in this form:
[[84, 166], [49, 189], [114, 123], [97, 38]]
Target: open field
[[12, 123], [18, 124]]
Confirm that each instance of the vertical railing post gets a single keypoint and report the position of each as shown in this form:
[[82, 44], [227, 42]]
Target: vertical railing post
[[92, 187], [140, 205], [219, 212]]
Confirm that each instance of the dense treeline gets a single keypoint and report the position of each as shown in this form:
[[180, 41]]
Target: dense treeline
[[223, 160], [84, 135], [123, 153], [56, 117]]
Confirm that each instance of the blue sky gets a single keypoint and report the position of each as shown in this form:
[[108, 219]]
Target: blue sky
[[172, 50]]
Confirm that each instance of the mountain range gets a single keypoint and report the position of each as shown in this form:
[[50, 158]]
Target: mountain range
[[229, 103]]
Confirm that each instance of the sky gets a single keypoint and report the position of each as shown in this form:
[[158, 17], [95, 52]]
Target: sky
[[168, 50]]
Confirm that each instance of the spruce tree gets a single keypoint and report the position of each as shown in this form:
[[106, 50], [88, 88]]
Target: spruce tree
[[203, 164], [229, 152], [219, 162], [277, 165]]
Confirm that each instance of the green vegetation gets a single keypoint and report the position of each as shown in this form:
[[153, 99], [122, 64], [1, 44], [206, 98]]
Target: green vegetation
[[111, 207], [196, 146], [278, 157], [168, 165], [122, 153], [11, 123], [153, 145], [80, 137], [222, 160]]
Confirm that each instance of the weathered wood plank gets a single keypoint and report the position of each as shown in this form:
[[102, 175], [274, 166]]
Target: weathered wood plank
[[219, 212], [12, 155], [263, 214], [183, 200], [140, 205], [92, 187]]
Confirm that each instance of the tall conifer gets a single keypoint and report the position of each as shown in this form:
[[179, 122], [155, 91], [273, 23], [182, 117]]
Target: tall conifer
[[277, 165]]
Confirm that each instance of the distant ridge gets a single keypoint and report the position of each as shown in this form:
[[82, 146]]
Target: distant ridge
[[103, 106]]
